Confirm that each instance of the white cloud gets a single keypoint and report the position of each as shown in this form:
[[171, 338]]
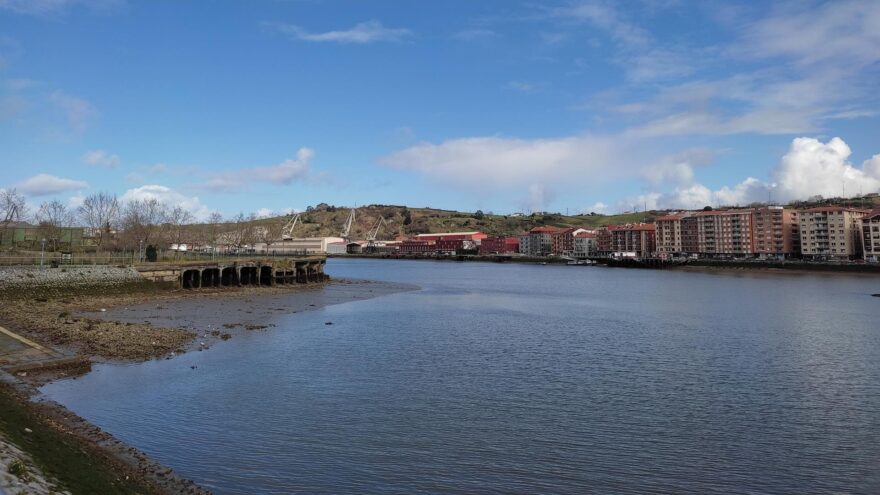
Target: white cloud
[[362, 33], [809, 168], [168, 197], [598, 207], [539, 197], [284, 173], [839, 32], [264, 213], [482, 162], [79, 112], [101, 158], [45, 184]]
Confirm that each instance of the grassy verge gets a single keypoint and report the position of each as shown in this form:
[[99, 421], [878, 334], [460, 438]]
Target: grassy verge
[[68, 459]]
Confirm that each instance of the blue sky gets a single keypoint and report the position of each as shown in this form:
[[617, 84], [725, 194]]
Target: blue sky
[[247, 106]]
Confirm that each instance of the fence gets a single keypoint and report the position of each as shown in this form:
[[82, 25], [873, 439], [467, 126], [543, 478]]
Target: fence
[[132, 258]]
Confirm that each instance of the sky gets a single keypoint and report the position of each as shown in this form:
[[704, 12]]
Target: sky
[[269, 106]]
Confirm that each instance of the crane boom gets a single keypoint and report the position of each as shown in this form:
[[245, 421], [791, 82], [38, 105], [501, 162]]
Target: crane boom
[[374, 232], [348, 223], [287, 231]]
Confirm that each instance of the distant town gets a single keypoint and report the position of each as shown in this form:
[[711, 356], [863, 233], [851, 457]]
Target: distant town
[[828, 232]]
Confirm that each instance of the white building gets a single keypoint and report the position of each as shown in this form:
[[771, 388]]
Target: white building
[[307, 245]]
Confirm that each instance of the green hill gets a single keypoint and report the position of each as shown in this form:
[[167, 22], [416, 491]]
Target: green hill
[[328, 220]]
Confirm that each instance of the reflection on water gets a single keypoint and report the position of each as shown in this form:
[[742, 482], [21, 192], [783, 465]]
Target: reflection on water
[[524, 379]]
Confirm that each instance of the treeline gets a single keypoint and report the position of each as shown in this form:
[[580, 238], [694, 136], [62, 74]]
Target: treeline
[[112, 224]]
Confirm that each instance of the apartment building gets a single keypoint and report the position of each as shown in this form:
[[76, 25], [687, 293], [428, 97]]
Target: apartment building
[[540, 241], [631, 240], [871, 235], [831, 232], [562, 241], [725, 232], [585, 244], [776, 232], [669, 234]]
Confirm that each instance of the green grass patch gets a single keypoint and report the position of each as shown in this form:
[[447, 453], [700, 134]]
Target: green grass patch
[[62, 456]]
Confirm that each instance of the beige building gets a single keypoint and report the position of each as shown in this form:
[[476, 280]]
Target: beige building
[[669, 234], [584, 244], [832, 232], [776, 231], [725, 232], [871, 235], [306, 245]]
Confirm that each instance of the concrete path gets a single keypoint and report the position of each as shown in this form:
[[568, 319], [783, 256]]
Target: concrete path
[[18, 352]]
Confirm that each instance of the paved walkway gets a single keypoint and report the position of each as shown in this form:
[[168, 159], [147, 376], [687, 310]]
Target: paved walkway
[[17, 351]]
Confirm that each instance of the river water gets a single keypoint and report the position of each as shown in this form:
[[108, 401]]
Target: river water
[[506, 378]]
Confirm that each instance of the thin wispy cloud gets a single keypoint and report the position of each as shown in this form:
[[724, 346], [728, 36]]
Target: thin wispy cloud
[[45, 184], [285, 173], [362, 33], [101, 158], [54, 7], [78, 111]]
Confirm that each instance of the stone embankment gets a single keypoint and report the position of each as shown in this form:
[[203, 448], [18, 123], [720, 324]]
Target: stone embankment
[[66, 278]]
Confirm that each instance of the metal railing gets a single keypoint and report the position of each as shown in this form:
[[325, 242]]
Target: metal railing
[[133, 258]]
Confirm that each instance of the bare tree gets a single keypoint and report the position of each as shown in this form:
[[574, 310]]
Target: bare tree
[[12, 210], [53, 219], [177, 219], [213, 230], [270, 232], [141, 221], [100, 212]]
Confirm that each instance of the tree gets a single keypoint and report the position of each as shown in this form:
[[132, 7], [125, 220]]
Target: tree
[[407, 217], [141, 220], [12, 210], [53, 218], [151, 253], [213, 233], [478, 214], [176, 219], [270, 232], [100, 212]]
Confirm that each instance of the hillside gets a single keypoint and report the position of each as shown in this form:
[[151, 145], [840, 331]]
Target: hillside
[[327, 220]]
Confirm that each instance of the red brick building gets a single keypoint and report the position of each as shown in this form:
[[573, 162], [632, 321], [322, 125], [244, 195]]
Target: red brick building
[[499, 245]]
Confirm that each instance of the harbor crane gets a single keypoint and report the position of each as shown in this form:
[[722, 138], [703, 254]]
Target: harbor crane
[[346, 231], [287, 231], [374, 232]]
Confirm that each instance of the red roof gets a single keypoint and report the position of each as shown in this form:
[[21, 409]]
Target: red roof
[[873, 213], [545, 230], [587, 235]]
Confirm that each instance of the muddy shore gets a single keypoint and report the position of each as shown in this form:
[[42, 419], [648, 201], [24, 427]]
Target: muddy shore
[[130, 326]]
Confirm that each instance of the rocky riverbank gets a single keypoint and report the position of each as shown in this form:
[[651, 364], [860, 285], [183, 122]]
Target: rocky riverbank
[[111, 314]]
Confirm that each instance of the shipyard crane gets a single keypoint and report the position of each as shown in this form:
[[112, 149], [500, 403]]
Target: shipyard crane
[[287, 231], [348, 223], [374, 232]]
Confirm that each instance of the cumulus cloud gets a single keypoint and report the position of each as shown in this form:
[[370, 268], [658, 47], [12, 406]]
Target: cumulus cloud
[[78, 111], [169, 197], [45, 184], [101, 158], [284, 173], [362, 33], [809, 168]]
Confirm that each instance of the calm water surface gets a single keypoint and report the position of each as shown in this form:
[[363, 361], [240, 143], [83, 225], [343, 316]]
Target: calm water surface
[[524, 379]]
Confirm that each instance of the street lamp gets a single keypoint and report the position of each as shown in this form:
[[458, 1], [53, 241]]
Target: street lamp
[[141, 251], [42, 251]]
